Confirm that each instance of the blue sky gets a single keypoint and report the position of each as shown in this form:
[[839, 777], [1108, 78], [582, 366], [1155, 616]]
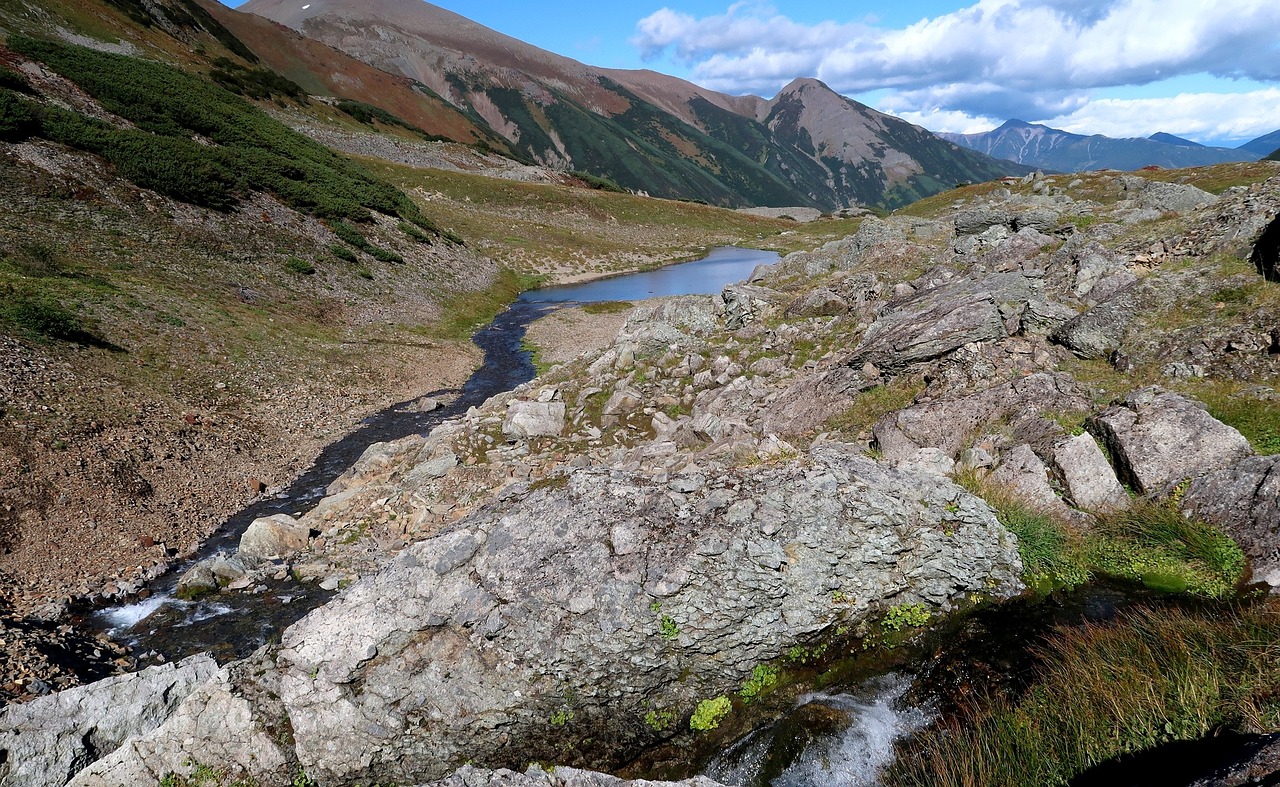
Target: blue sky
[[1206, 71]]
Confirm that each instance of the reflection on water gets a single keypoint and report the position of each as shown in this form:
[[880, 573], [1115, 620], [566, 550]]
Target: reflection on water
[[707, 276]]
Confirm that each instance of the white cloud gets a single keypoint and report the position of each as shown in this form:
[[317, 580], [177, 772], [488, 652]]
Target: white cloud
[[1197, 116], [996, 58]]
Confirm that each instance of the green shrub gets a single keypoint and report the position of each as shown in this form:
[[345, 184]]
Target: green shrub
[[18, 117], [342, 252], [384, 255], [709, 713], [300, 266], [12, 80], [250, 151], [349, 234], [257, 83], [414, 233], [364, 273]]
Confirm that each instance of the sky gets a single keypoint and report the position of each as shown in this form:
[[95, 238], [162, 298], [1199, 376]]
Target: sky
[[1206, 70]]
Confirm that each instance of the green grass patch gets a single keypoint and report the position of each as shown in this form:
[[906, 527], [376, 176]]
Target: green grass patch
[[1155, 544], [872, 405], [607, 307], [465, 312], [1149, 542], [1153, 677]]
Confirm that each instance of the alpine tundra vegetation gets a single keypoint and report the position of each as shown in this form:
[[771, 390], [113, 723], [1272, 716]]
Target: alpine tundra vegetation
[[1005, 455]]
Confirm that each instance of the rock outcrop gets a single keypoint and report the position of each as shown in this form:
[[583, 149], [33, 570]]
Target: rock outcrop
[[1159, 439], [1244, 499], [49, 740], [601, 595]]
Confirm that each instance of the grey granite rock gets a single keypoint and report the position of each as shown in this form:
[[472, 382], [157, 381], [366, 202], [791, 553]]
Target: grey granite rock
[[49, 740], [1244, 499], [934, 322], [1087, 477], [278, 534], [1158, 439], [470, 643]]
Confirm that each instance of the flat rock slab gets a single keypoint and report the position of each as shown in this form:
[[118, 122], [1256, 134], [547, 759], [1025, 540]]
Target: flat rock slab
[[934, 322]]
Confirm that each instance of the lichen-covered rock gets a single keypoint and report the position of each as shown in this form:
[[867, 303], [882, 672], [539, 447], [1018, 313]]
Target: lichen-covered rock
[[1244, 499], [49, 740], [936, 321], [278, 534], [1158, 439], [952, 424], [1100, 331], [569, 611]]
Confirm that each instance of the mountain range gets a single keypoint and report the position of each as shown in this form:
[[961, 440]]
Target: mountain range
[[646, 131], [1038, 145]]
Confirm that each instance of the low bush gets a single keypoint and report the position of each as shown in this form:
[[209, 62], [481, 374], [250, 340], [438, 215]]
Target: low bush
[[249, 150], [343, 253], [385, 255], [299, 266]]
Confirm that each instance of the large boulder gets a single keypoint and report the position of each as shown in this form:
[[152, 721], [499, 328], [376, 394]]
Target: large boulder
[[533, 419], [275, 535], [49, 740], [1244, 499], [1100, 331], [231, 722], [553, 621], [953, 424], [1086, 476], [1158, 439], [934, 322]]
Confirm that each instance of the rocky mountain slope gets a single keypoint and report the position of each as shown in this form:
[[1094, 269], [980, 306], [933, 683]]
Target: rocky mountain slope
[[648, 132], [1040, 146], [1263, 145], [609, 554]]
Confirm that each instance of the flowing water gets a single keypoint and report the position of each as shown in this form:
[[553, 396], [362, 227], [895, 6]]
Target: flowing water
[[232, 625]]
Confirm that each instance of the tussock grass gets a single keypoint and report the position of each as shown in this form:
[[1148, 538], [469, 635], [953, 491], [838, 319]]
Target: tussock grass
[[1155, 544], [1053, 554], [872, 405], [1105, 690], [1149, 542]]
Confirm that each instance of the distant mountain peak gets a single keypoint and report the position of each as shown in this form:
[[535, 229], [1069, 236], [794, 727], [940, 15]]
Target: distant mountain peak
[[1170, 139], [1042, 146]]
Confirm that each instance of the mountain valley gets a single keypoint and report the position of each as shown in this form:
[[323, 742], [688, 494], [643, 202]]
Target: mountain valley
[[967, 387]]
